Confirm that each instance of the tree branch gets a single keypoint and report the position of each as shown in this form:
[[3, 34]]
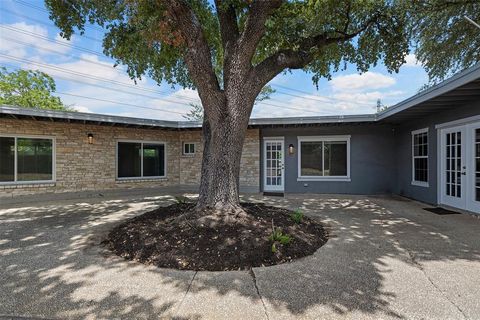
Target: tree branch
[[254, 29], [228, 23], [198, 57], [297, 59]]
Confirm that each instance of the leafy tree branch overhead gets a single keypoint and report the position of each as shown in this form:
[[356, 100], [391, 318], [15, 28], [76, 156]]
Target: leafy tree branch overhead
[[230, 49], [29, 89]]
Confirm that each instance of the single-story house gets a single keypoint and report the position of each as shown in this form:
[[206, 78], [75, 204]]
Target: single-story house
[[426, 148]]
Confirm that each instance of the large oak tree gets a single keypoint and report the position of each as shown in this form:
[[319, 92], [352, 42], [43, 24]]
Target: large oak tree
[[230, 49]]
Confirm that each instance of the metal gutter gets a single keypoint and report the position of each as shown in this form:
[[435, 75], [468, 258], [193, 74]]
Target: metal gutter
[[101, 118]]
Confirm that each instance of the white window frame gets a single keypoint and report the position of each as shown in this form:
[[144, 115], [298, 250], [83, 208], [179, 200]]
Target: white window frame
[[54, 158], [424, 184], [301, 139], [189, 153], [142, 177]]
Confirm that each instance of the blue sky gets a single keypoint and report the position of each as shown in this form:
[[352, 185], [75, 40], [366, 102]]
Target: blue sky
[[87, 80]]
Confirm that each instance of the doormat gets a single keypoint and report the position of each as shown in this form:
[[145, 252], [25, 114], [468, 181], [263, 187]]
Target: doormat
[[441, 211], [273, 194]]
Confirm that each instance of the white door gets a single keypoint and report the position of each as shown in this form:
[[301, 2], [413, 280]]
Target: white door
[[274, 169], [473, 166], [453, 167]]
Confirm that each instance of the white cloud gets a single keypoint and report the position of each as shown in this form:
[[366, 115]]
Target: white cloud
[[82, 109], [411, 61], [22, 40], [365, 81]]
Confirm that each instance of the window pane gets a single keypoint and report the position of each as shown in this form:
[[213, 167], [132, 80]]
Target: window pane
[[7, 159], [421, 169], [311, 159], [335, 158], [153, 160], [129, 158], [34, 159]]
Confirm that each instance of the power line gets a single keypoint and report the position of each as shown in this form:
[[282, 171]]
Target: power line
[[114, 102], [24, 3], [137, 94], [101, 55], [115, 90], [310, 98], [36, 35], [119, 83], [119, 103], [47, 24], [322, 98], [128, 85]]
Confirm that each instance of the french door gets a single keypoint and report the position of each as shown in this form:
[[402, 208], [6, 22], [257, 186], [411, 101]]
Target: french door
[[273, 164], [473, 193], [460, 167]]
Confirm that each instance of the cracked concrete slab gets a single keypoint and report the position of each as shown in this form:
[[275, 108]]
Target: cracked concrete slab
[[387, 259], [222, 295]]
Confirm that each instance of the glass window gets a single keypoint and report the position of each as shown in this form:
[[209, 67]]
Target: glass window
[[33, 162], [7, 159], [420, 156], [327, 158], [129, 160], [153, 160], [188, 148], [311, 158], [335, 158], [34, 159], [136, 160]]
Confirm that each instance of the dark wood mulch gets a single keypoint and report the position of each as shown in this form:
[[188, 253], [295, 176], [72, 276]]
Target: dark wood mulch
[[158, 239]]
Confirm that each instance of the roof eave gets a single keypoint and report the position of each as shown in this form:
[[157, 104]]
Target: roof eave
[[452, 83]]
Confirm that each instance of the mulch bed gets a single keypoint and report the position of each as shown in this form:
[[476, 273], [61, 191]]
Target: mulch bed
[[157, 238]]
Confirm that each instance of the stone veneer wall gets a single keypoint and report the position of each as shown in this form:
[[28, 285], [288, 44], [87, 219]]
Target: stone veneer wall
[[249, 165], [90, 167]]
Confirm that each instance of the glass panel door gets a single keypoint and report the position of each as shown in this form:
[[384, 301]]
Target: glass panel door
[[273, 164], [453, 167], [473, 167]]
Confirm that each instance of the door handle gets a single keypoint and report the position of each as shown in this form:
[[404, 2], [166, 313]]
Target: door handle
[[464, 173]]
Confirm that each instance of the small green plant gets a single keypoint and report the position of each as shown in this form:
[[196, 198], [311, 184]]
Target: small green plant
[[274, 248], [297, 216], [277, 236], [182, 200]]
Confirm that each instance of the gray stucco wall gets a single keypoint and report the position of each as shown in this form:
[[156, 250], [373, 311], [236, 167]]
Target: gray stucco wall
[[372, 163], [403, 152]]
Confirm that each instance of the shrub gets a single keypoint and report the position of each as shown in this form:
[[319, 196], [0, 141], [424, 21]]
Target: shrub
[[278, 236], [297, 216]]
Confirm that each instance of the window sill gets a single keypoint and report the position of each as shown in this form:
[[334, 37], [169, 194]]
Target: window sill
[[420, 184], [325, 179], [142, 179], [26, 184]]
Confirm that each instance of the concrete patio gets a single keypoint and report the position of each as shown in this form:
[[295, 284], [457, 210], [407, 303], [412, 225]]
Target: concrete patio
[[387, 258]]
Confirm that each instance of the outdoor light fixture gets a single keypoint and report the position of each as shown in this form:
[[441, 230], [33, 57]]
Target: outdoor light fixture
[[90, 138], [291, 149]]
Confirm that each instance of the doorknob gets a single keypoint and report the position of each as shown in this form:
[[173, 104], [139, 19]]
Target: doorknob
[[464, 173]]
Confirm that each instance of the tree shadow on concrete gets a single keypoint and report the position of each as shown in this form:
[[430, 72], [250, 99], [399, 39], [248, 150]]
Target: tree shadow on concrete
[[52, 265]]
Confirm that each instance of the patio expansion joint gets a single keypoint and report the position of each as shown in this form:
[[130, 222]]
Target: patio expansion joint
[[186, 292], [254, 279], [411, 256]]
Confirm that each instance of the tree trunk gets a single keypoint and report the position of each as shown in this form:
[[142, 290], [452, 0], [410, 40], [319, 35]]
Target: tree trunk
[[223, 144]]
